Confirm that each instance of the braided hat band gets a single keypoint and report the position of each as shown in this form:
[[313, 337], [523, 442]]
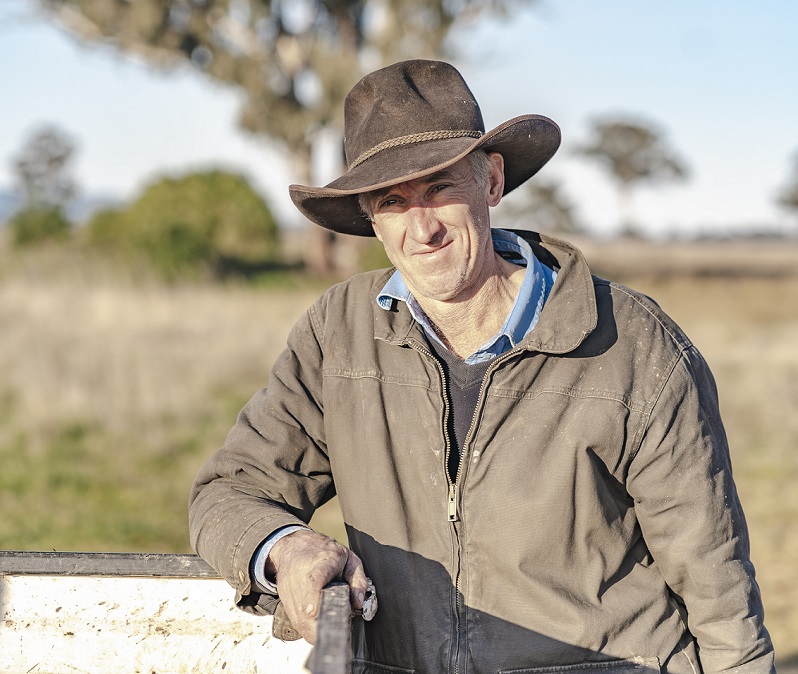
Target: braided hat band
[[414, 138]]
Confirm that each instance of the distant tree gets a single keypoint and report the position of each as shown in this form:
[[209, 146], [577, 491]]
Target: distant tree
[[209, 222], [542, 206], [788, 197], [634, 153], [42, 170], [294, 60]]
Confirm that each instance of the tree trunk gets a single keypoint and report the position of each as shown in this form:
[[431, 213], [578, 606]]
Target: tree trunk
[[318, 251], [626, 211]]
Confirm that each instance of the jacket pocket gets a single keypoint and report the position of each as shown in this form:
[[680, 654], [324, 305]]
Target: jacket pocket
[[634, 666], [368, 667]]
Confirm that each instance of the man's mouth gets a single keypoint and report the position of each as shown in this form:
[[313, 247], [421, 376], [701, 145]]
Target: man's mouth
[[433, 250]]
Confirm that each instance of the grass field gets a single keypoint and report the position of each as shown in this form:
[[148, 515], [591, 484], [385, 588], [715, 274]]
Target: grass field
[[115, 390]]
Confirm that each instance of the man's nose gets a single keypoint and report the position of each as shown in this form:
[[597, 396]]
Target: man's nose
[[423, 225]]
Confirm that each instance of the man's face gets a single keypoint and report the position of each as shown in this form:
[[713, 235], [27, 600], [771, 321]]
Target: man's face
[[436, 229]]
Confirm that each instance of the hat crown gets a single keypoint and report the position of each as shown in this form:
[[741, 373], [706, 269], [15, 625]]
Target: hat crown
[[406, 102]]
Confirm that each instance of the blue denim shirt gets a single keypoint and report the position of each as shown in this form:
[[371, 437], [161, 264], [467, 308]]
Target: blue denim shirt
[[535, 289]]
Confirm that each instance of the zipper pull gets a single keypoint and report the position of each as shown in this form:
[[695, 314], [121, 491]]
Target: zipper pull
[[452, 510]]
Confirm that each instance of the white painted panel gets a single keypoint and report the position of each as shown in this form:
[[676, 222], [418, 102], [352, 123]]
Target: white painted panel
[[98, 625]]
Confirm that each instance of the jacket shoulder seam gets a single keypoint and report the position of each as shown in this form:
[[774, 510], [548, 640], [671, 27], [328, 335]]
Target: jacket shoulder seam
[[646, 415], [679, 339], [316, 325]]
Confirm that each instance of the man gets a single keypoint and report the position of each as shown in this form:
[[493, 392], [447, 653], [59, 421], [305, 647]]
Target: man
[[529, 460]]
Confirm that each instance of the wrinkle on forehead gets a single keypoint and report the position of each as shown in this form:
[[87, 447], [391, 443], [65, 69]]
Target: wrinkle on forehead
[[449, 173]]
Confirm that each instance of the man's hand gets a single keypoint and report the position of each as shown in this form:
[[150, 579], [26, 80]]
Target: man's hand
[[304, 562]]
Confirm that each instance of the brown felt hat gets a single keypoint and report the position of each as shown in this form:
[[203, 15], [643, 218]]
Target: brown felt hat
[[409, 120]]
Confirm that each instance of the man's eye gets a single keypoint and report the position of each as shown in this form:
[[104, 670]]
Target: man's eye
[[440, 187]]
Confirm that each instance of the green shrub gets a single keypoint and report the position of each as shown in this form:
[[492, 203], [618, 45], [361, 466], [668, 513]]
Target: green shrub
[[106, 227], [37, 223], [202, 222], [178, 249]]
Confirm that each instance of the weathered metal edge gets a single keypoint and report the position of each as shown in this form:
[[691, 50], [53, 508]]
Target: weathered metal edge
[[332, 653], [140, 564]]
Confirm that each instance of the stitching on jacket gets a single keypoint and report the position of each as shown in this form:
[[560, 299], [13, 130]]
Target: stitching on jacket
[[345, 373], [316, 326], [646, 418], [570, 392], [681, 344]]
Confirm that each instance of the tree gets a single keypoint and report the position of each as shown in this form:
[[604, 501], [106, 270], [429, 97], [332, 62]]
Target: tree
[[294, 60], [634, 153], [542, 206], [211, 221], [46, 186], [788, 197]]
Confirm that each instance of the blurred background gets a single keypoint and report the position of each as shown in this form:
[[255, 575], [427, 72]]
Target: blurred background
[[151, 263]]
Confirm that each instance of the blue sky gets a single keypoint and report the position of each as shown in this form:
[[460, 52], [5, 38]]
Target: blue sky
[[720, 79]]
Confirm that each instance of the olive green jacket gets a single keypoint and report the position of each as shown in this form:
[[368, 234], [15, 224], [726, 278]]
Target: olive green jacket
[[593, 525]]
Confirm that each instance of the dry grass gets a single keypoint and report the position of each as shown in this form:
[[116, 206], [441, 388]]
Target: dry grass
[[112, 395], [114, 391]]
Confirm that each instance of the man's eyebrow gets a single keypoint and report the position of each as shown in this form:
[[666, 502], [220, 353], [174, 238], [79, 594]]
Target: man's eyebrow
[[443, 174]]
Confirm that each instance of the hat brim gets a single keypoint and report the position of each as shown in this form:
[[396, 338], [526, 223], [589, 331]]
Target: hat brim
[[525, 142]]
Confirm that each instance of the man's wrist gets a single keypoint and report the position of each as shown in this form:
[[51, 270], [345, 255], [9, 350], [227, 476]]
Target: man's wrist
[[259, 568]]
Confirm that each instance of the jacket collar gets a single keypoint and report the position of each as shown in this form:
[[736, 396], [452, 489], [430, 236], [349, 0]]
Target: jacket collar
[[571, 312], [568, 317]]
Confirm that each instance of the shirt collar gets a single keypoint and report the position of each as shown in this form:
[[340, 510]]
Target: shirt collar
[[522, 318]]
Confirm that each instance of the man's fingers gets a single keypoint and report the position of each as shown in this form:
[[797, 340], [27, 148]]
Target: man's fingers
[[305, 562], [302, 612], [355, 577]]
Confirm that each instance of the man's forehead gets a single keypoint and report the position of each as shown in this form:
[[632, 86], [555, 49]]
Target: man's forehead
[[443, 174]]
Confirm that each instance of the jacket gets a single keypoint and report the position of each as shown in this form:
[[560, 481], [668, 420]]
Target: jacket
[[593, 524]]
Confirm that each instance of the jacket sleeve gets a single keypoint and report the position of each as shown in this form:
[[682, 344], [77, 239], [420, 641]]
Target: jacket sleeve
[[273, 469], [692, 521]]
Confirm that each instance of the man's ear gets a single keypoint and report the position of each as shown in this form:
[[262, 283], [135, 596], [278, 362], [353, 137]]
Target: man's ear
[[376, 231], [496, 180]]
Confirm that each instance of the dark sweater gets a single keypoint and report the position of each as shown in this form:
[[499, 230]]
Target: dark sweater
[[463, 383]]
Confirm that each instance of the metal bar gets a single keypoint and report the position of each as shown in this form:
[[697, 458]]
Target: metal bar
[[332, 653], [24, 563]]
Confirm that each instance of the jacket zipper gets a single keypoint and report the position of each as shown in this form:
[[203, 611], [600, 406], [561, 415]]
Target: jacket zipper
[[452, 513], [451, 509], [452, 501], [453, 486]]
